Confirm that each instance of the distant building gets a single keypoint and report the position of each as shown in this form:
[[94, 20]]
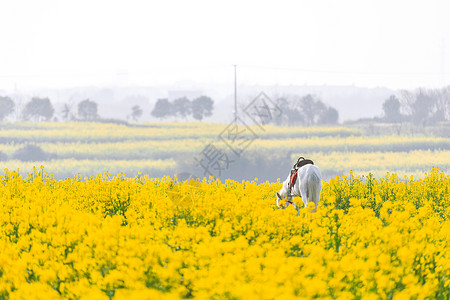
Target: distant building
[[191, 95]]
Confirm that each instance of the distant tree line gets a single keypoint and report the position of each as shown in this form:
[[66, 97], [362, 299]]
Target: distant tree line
[[199, 108], [425, 107], [41, 109], [305, 110]]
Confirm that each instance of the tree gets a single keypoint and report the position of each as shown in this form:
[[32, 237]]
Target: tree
[[283, 104], [291, 110], [136, 112], [422, 106], [6, 107], [182, 107], [67, 113], [163, 108], [442, 111], [311, 109], [87, 110], [202, 107], [39, 109], [329, 116], [427, 106], [391, 108], [306, 110]]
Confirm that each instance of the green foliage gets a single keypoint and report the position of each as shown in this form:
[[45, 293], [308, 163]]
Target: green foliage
[[199, 108], [391, 109], [427, 106], [182, 107], [202, 107], [307, 110], [163, 108], [136, 112], [6, 107], [87, 110], [372, 193], [38, 109]]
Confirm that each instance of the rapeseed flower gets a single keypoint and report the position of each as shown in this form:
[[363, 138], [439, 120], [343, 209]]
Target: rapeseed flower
[[117, 237]]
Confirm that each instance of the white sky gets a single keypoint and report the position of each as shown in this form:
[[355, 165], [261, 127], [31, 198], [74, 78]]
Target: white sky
[[60, 43]]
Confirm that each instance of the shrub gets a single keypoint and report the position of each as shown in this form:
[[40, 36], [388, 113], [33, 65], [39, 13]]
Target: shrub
[[31, 153]]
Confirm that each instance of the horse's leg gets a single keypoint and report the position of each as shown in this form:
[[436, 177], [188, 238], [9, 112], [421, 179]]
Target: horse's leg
[[304, 195], [316, 198], [315, 194]]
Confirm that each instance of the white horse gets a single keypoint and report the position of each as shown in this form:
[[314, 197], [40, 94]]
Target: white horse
[[307, 186]]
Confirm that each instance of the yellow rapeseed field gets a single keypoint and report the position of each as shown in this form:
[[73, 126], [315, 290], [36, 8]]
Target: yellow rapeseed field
[[141, 238], [164, 148]]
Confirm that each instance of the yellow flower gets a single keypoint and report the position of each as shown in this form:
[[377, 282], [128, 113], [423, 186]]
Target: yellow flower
[[124, 237]]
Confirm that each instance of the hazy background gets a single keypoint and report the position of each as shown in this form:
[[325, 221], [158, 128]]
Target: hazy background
[[354, 85], [352, 54]]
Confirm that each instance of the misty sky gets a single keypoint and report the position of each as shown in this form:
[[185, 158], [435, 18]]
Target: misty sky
[[54, 43]]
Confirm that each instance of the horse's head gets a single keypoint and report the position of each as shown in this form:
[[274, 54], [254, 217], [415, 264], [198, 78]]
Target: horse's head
[[280, 197]]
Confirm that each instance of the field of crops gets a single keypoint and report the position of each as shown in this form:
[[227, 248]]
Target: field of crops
[[159, 149], [149, 238]]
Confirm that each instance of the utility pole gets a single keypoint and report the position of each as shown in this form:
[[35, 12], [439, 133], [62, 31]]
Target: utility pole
[[443, 62], [235, 95]]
